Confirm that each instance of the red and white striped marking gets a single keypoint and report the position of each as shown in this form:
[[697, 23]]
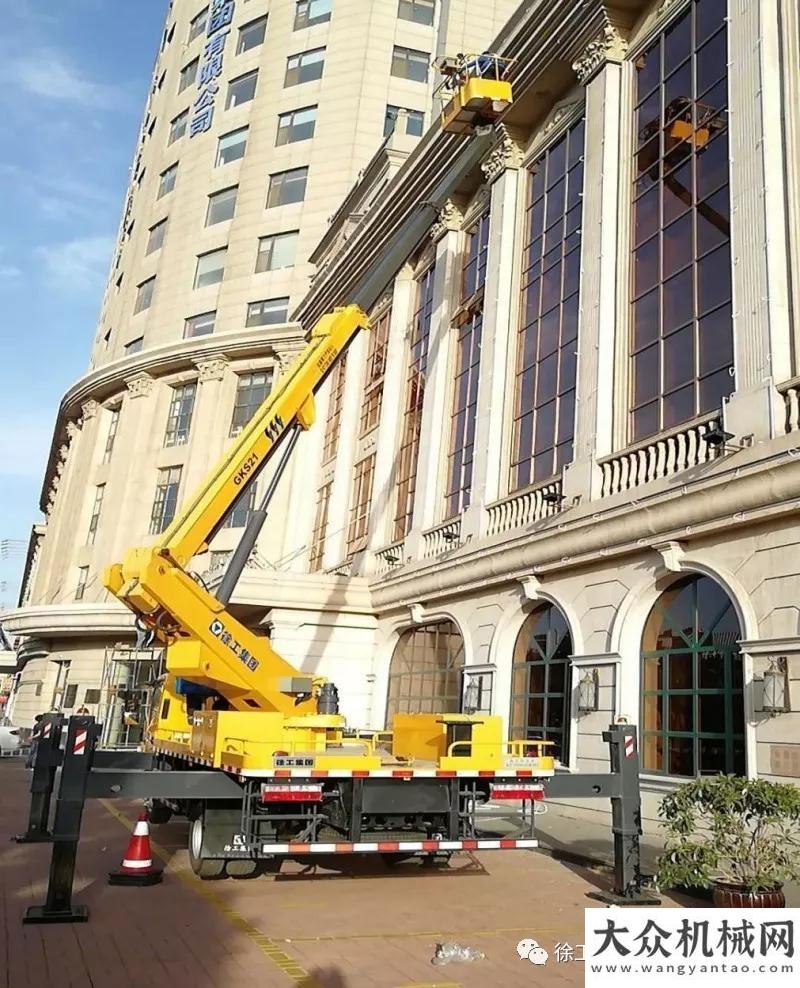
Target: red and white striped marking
[[630, 746], [291, 794], [45, 732], [516, 791], [403, 847], [79, 746]]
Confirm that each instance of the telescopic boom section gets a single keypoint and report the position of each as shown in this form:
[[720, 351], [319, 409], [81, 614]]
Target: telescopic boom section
[[206, 644]]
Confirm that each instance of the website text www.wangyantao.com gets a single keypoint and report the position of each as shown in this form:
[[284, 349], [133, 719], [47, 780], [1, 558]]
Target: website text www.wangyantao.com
[[687, 970]]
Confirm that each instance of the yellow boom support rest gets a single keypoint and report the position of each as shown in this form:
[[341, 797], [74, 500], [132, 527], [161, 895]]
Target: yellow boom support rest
[[206, 644]]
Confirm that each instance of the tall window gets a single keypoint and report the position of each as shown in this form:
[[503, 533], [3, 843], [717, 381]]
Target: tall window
[[268, 312], [320, 531], [210, 268], [111, 435], [167, 183], [333, 423], [425, 672], [83, 579], [179, 419], [692, 688], [202, 325], [97, 507], [681, 345], [310, 12], [232, 146], [287, 187], [469, 331], [144, 295], [377, 343], [241, 90], [177, 127], [243, 507], [408, 63], [419, 11], [305, 67], [544, 411], [540, 685], [221, 206], [155, 239], [251, 391], [414, 121], [252, 35], [297, 125], [412, 412], [165, 502], [361, 501], [276, 251]]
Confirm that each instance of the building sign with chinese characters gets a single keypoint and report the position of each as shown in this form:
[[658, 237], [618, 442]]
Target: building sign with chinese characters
[[715, 948], [220, 16]]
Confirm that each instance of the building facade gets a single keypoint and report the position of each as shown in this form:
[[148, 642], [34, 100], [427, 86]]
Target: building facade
[[260, 117], [563, 463], [558, 479]]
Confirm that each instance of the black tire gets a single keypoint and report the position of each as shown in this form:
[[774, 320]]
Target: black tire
[[205, 868], [243, 868], [159, 814]]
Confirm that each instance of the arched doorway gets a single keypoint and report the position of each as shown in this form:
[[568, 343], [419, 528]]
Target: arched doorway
[[692, 687], [540, 686], [426, 668]]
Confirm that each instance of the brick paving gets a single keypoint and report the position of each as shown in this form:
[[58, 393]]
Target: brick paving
[[362, 925]]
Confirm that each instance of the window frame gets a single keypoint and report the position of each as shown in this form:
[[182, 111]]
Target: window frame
[[184, 79], [169, 173], [219, 199], [251, 321], [230, 102], [245, 405], [144, 295], [161, 229], [218, 162], [304, 19], [94, 517], [111, 435], [180, 414], [283, 184], [266, 250], [375, 372], [194, 32], [209, 253], [415, 5], [415, 116], [297, 78], [319, 533], [241, 37], [165, 501], [407, 57], [360, 504], [200, 315], [178, 127], [286, 131]]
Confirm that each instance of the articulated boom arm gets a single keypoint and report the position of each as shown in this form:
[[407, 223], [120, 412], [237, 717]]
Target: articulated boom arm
[[206, 644]]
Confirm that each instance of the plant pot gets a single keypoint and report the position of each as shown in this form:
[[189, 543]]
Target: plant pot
[[727, 896]]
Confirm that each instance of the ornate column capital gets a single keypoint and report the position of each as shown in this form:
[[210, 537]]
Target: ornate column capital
[[139, 385], [73, 431], [507, 153], [611, 46], [211, 368], [450, 218], [89, 409]]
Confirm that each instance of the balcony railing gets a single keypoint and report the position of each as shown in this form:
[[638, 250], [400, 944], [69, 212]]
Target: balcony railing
[[343, 569], [658, 457], [440, 539], [389, 558], [523, 508], [791, 396]]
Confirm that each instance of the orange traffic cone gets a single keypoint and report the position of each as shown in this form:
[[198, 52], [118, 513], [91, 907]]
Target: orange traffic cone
[[137, 865]]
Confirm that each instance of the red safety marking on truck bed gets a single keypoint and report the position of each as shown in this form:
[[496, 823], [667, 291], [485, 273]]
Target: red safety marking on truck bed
[[400, 847], [630, 746]]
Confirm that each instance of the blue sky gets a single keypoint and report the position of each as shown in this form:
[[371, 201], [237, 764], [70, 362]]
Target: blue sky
[[75, 75]]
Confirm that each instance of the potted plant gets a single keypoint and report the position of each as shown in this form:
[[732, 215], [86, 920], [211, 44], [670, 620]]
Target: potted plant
[[739, 837]]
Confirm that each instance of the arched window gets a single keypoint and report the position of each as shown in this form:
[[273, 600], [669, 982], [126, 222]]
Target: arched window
[[425, 674], [540, 685], [692, 695]]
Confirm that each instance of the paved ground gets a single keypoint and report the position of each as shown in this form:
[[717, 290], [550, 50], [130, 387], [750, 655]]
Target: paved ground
[[364, 927]]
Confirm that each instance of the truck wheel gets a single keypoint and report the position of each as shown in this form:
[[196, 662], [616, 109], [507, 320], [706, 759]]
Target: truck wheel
[[205, 868], [242, 868], [159, 813]]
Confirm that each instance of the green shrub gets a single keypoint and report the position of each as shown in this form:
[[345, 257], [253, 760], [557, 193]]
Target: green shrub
[[722, 828]]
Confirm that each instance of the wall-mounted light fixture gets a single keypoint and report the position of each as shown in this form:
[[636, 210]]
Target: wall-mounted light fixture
[[776, 686], [588, 691]]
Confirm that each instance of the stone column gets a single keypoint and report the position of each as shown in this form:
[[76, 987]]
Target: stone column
[[502, 170], [391, 421], [435, 430], [339, 507], [762, 348], [207, 435], [601, 72]]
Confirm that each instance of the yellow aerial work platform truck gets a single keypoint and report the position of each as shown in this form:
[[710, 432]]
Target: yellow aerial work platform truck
[[229, 703]]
